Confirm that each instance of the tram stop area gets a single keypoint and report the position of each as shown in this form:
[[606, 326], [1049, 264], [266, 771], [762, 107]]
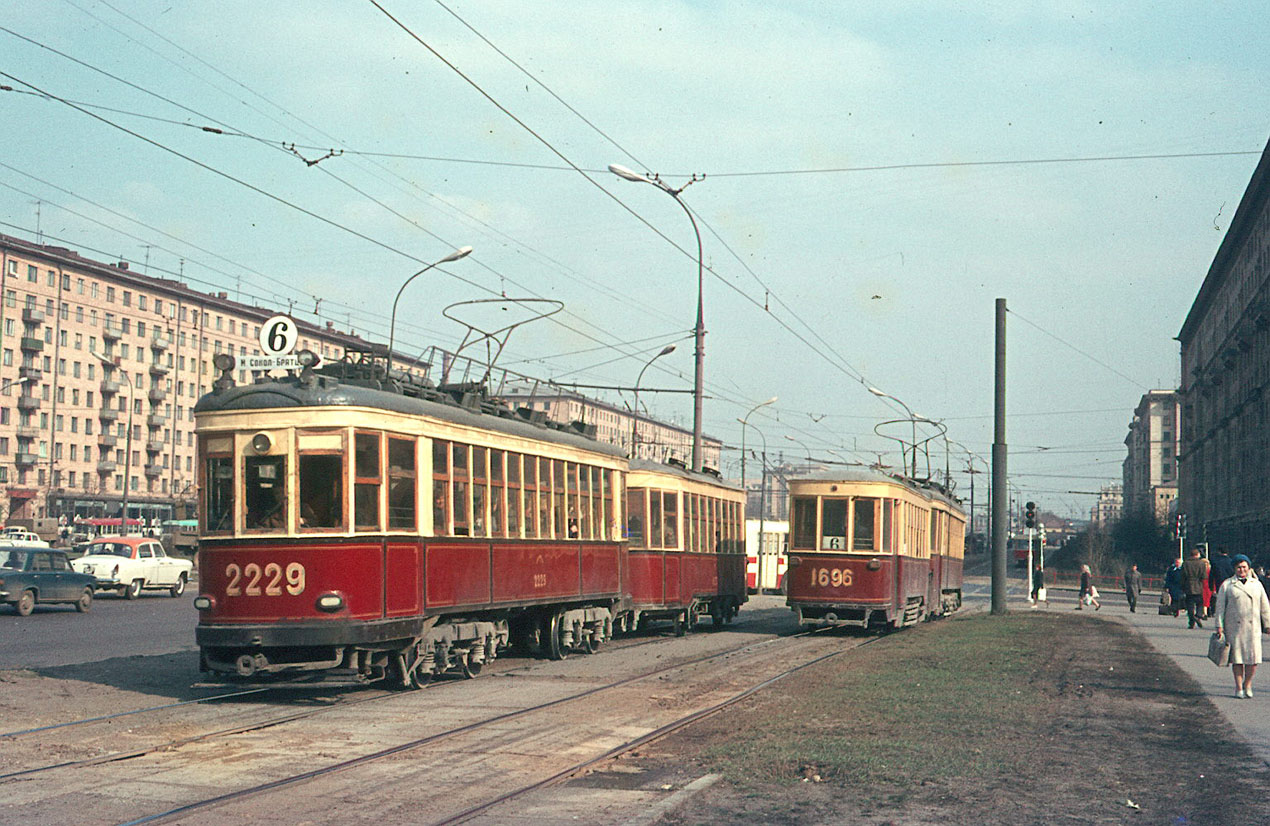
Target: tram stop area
[[1043, 715]]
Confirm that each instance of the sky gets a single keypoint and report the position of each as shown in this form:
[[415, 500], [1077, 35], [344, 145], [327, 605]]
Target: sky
[[876, 175]]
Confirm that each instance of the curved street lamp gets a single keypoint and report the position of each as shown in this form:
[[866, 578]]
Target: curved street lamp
[[699, 334], [14, 383], [461, 252], [804, 447], [665, 351], [743, 420], [127, 451]]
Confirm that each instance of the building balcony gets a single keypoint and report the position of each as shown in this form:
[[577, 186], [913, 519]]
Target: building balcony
[[106, 466], [25, 459], [154, 471], [32, 344], [28, 402], [157, 394], [31, 374], [160, 343], [154, 446], [28, 432], [109, 387], [30, 315], [107, 439], [111, 332], [157, 369], [108, 414], [154, 420]]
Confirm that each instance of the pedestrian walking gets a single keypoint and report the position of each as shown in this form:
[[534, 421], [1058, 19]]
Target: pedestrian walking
[[1194, 578], [1221, 568], [1173, 585], [1038, 582], [1088, 592], [1242, 610], [1132, 587]]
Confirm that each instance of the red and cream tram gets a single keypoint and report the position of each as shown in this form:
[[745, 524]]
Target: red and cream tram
[[871, 549], [353, 531], [687, 549]]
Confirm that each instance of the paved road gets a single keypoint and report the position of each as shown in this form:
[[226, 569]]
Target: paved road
[[54, 635]]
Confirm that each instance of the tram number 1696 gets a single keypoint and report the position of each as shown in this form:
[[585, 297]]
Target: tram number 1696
[[253, 580], [831, 577]]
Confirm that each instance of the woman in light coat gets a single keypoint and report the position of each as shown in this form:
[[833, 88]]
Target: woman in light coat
[[1243, 615]]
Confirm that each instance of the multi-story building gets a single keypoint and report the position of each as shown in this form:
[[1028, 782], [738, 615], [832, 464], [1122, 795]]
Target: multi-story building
[[640, 435], [1225, 340], [1150, 465], [100, 368], [1109, 506]]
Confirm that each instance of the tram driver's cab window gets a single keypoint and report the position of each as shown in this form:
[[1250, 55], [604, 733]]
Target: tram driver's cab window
[[220, 494], [803, 529], [833, 525], [321, 491], [265, 494], [863, 531], [635, 519]]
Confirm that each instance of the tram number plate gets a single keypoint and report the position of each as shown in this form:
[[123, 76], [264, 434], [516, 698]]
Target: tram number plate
[[253, 580], [831, 577]]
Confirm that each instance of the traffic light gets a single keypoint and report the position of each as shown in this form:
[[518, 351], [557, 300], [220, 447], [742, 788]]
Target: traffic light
[[1181, 525], [1029, 515]]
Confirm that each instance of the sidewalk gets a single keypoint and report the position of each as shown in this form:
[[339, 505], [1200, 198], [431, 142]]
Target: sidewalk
[[1188, 648]]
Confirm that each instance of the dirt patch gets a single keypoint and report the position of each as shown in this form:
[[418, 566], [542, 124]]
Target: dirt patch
[[1025, 719]]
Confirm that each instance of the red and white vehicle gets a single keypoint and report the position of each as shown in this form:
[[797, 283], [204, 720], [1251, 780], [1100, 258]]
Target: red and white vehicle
[[766, 563], [871, 549]]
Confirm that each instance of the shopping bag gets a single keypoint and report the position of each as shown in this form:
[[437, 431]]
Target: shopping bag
[[1218, 650], [1040, 594], [1093, 592], [1165, 599]]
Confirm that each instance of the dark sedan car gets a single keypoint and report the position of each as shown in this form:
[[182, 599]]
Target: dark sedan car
[[41, 575]]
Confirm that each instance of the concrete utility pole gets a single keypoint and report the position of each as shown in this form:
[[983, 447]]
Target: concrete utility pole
[[1000, 498]]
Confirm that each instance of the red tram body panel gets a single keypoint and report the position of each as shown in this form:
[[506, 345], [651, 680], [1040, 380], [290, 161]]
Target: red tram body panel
[[868, 549]]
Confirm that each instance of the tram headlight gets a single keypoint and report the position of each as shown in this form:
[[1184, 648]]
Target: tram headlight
[[223, 362], [330, 603], [874, 564], [203, 602], [261, 443]]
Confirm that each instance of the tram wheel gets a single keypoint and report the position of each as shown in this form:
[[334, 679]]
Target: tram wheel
[[470, 666], [679, 626], [552, 631]]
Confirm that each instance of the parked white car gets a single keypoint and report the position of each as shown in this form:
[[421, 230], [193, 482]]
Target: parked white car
[[23, 538], [130, 564]]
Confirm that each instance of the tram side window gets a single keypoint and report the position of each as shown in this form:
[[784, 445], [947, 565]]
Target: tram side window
[[598, 530], [804, 527], [888, 508], [863, 533], [635, 520], [584, 501], [264, 490], [530, 477], [440, 487], [558, 497], [366, 466], [401, 483], [480, 491], [496, 492], [670, 513], [544, 498], [462, 500], [833, 525], [654, 520], [220, 494], [321, 490], [514, 504]]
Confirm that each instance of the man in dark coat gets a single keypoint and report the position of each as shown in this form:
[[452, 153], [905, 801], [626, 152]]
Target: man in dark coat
[[1221, 569], [1173, 582], [1194, 576], [1132, 587]]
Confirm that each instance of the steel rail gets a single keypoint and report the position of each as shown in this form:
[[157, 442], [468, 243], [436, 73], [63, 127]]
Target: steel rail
[[345, 765], [116, 716]]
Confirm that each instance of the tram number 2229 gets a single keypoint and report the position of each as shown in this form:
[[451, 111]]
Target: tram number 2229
[[253, 580], [831, 577]]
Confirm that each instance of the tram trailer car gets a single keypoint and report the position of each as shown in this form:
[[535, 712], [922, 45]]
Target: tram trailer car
[[870, 549], [686, 545], [355, 530]]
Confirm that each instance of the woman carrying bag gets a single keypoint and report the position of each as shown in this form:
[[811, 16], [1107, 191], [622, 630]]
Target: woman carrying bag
[[1242, 610]]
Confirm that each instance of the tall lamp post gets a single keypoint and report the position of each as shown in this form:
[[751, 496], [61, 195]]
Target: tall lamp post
[[912, 418], [14, 383], [127, 451], [699, 334], [665, 351], [803, 445], [461, 252], [744, 420]]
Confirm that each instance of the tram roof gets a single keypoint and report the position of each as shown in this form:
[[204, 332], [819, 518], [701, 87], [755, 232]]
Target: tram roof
[[876, 476], [291, 392], [649, 466]]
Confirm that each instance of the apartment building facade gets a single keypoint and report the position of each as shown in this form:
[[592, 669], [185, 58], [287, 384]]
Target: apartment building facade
[[1150, 465], [100, 368]]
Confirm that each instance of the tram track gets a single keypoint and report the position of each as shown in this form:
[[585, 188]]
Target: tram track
[[337, 703], [483, 726]]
